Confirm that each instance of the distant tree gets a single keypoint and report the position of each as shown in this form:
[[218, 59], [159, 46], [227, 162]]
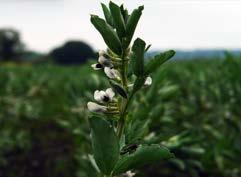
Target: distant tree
[[72, 52], [10, 44]]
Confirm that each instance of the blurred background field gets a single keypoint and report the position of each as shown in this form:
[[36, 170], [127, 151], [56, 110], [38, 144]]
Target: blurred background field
[[194, 107], [194, 104]]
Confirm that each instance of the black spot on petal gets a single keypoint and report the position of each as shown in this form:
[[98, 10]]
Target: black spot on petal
[[106, 99], [98, 65]]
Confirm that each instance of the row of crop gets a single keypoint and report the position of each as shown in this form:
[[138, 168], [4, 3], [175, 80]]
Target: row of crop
[[193, 106]]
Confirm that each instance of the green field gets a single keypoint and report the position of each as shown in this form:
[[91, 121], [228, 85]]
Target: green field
[[194, 108]]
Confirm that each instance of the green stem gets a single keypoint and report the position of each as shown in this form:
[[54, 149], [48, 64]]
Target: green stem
[[121, 123]]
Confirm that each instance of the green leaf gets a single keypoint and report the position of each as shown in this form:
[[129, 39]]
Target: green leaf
[[132, 23], [109, 35], [138, 50], [179, 163], [148, 47], [137, 129], [107, 14], [93, 163], [124, 13], [118, 19], [105, 144], [118, 88], [157, 61], [139, 82], [145, 154]]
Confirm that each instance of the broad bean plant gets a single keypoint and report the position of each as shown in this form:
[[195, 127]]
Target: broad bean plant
[[128, 73]]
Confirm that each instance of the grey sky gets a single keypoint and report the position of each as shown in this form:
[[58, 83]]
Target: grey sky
[[180, 24]]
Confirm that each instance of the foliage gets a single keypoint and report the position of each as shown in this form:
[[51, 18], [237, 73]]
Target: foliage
[[30, 99], [199, 106], [195, 113], [10, 44]]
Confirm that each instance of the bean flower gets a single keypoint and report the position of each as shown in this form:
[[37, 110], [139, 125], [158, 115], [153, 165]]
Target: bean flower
[[148, 81], [103, 61], [112, 73], [104, 96]]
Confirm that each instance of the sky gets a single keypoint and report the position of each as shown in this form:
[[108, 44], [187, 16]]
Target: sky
[[176, 24]]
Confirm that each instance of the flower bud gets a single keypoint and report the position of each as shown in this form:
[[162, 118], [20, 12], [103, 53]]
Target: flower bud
[[93, 107], [101, 52], [97, 66], [106, 62], [111, 73], [148, 81]]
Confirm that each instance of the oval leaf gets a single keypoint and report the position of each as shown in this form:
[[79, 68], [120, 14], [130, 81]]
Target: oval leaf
[[138, 51], [124, 13], [107, 14], [157, 61], [145, 154], [105, 144], [109, 35], [118, 19], [132, 23]]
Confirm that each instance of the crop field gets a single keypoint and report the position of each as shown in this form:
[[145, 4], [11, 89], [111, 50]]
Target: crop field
[[193, 107]]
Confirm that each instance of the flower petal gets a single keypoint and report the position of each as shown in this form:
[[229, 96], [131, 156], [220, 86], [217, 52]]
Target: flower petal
[[110, 93], [101, 52], [99, 96], [129, 174], [93, 107], [97, 66], [148, 81], [105, 61], [108, 72], [111, 73]]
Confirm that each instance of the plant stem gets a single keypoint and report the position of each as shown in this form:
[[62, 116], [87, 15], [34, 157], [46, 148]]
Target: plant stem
[[121, 123]]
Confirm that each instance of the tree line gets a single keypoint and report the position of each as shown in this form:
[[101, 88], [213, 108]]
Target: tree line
[[13, 49]]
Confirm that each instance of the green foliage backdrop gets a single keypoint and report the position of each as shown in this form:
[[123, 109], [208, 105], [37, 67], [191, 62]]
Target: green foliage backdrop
[[194, 104]]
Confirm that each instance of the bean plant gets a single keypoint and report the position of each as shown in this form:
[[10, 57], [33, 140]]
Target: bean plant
[[128, 73]]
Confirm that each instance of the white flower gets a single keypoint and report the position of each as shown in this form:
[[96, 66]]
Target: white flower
[[103, 61], [101, 52], [97, 66], [104, 96], [148, 81], [111, 73], [93, 107], [129, 174], [106, 62]]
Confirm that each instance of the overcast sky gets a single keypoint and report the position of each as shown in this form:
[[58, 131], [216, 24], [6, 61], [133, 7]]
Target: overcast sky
[[178, 24]]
